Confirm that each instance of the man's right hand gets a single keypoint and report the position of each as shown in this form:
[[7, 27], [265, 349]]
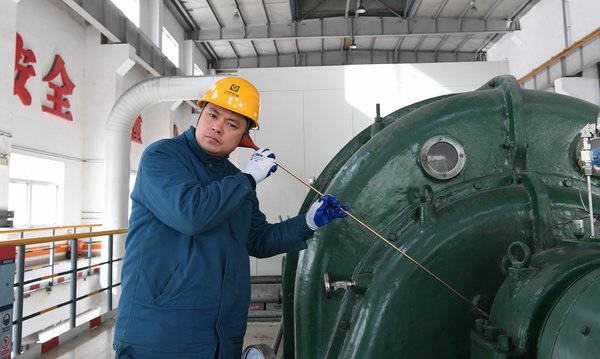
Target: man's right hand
[[261, 164]]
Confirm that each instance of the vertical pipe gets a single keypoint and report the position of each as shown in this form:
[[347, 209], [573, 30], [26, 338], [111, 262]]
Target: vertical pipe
[[187, 60], [565, 25], [89, 254], [278, 336], [598, 79], [73, 307], [150, 20], [77, 242], [378, 123], [18, 311], [110, 271], [52, 248], [589, 186]]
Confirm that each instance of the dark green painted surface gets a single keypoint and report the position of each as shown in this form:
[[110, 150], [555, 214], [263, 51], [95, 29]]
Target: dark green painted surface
[[520, 183]]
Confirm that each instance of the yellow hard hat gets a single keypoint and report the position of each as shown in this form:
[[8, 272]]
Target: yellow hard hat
[[235, 94]]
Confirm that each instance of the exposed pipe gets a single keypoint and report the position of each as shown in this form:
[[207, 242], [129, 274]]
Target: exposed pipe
[[118, 134], [598, 75], [565, 24]]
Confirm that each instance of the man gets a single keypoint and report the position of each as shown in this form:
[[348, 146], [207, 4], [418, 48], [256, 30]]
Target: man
[[195, 220]]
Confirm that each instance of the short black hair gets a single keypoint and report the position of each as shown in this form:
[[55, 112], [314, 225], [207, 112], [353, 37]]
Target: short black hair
[[249, 122]]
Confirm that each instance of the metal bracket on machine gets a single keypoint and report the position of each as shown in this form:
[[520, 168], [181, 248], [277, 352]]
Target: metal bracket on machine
[[589, 133], [331, 287]]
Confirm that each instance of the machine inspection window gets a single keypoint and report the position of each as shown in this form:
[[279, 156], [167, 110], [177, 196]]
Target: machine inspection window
[[442, 157]]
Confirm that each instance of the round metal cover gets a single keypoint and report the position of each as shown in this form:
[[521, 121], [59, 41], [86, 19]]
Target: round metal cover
[[442, 157], [258, 351]]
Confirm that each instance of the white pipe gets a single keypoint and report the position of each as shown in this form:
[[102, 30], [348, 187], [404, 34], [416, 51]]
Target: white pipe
[[118, 135]]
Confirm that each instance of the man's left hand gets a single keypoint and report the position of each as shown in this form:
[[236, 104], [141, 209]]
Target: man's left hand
[[324, 210]]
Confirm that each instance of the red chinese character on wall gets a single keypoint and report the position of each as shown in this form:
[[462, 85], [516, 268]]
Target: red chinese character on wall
[[175, 130], [60, 104], [23, 71], [136, 131]]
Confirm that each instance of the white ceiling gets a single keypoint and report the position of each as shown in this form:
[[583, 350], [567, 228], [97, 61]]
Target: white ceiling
[[269, 33]]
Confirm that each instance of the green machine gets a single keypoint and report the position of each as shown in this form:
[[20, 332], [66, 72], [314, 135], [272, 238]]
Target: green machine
[[488, 198]]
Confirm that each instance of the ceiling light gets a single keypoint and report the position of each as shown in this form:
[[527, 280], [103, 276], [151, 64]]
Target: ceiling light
[[353, 45], [359, 8]]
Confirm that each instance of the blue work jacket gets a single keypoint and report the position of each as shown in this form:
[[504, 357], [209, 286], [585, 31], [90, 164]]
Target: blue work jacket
[[186, 275]]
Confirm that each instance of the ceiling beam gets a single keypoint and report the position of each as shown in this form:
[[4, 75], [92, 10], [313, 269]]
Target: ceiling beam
[[327, 58], [105, 17], [365, 27]]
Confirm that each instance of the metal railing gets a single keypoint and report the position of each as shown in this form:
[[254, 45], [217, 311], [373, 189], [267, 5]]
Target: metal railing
[[53, 246], [72, 239]]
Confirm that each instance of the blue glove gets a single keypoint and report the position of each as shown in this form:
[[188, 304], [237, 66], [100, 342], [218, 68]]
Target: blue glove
[[323, 211], [261, 164], [596, 157]]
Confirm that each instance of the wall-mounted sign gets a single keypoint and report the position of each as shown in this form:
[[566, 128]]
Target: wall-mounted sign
[[58, 80], [59, 96], [23, 71]]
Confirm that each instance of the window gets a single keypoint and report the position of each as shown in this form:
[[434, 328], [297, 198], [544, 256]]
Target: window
[[170, 47], [35, 191], [197, 71], [129, 8]]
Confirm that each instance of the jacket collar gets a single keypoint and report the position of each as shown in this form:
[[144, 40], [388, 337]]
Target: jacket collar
[[190, 136]]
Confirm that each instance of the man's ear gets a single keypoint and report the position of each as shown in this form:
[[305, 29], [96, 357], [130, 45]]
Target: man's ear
[[248, 125], [200, 115]]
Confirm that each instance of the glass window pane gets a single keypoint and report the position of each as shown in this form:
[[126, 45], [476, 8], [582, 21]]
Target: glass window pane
[[20, 166], [170, 47], [17, 202], [129, 8], [197, 71], [34, 168], [34, 190], [43, 204]]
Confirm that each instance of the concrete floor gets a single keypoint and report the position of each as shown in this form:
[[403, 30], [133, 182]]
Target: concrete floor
[[97, 342]]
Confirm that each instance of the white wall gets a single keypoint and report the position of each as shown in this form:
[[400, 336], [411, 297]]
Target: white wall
[[543, 34], [102, 62], [31, 124]]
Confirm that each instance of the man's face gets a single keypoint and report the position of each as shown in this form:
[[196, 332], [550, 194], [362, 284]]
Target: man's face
[[219, 131]]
